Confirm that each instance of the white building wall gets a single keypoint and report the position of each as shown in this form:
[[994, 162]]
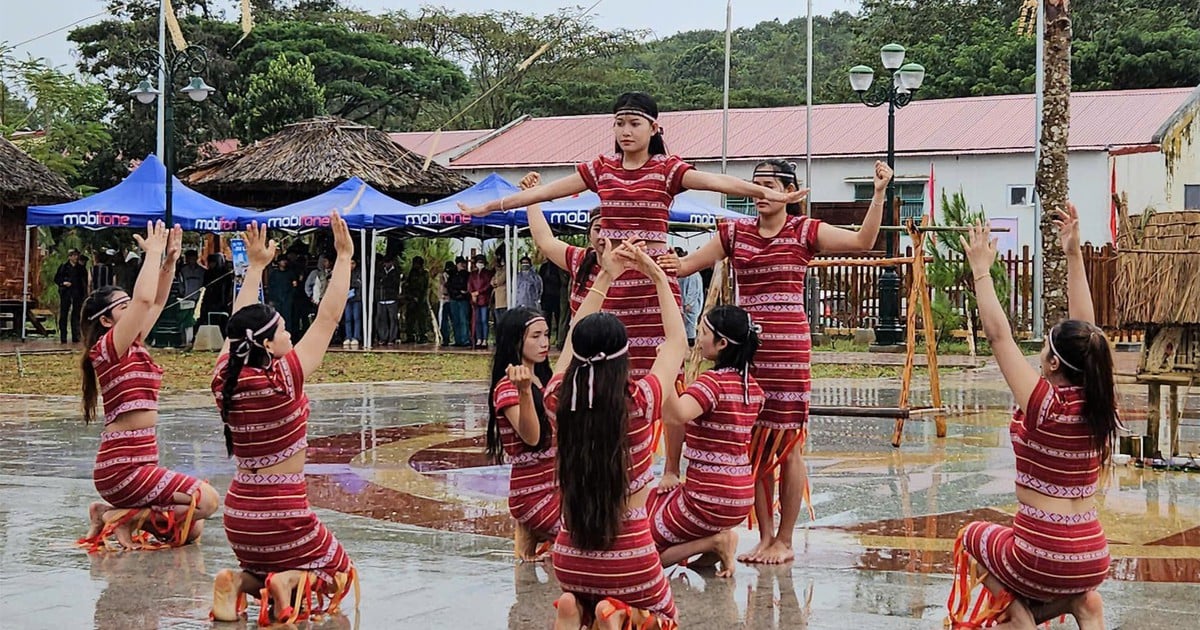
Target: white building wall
[[984, 179], [1143, 177], [1184, 167]]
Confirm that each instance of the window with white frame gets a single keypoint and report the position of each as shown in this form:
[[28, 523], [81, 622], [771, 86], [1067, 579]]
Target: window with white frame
[[1191, 196], [1020, 196]]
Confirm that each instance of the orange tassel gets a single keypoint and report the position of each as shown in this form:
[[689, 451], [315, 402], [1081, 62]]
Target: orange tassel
[[987, 607]]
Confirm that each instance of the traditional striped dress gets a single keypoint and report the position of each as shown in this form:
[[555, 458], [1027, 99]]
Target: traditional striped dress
[[769, 282], [127, 474], [718, 492], [631, 570], [267, 517], [1044, 556], [533, 498], [634, 204]]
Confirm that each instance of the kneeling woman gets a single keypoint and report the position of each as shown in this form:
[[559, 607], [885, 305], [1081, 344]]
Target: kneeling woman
[[141, 498], [717, 412], [1055, 555], [518, 427], [286, 554], [604, 556]]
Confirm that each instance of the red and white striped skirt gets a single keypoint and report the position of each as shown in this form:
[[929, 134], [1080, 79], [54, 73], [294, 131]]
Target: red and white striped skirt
[[127, 474], [1043, 557], [712, 499], [630, 571], [782, 365], [272, 529], [533, 498]]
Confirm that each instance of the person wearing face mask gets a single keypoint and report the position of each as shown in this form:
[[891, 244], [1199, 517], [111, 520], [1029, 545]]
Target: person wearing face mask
[[479, 285], [500, 284], [529, 285]]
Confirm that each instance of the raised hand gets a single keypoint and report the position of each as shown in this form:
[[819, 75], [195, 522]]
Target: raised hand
[[472, 211], [883, 175], [259, 249], [154, 243], [1067, 223], [174, 244], [795, 196], [669, 261], [611, 261], [635, 253], [980, 249], [521, 377], [343, 244], [531, 180], [667, 483]]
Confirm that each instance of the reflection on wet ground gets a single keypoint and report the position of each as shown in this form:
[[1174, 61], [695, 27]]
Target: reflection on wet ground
[[396, 472]]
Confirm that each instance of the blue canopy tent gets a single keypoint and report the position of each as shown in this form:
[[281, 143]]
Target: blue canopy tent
[[686, 212], [437, 218], [138, 199]]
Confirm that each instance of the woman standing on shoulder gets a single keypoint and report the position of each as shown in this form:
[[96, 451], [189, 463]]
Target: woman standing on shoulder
[[285, 553], [1055, 555], [139, 495], [769, 255]]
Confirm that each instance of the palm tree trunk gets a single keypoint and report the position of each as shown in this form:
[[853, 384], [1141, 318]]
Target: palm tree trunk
[[1051, 178]]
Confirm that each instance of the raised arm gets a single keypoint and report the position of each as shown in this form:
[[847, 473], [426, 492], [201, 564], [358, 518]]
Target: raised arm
[[166, 277], [704, 258], [1018, 373], [570, 185], [523, 417], [730, 185], [832, 239], [311, 348], [674, 349], [145, 288], [260, 251], [1079, 293], [543, 236], [611, 267]]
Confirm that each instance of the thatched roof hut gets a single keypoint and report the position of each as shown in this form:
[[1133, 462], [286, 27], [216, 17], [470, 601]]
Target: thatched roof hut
[[1158, 269], [310, 157], [26, 182]]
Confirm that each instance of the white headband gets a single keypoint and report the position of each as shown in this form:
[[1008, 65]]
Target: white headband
[[590, 364], [754, 329], [629, 111], [107, 309], [243, 349]]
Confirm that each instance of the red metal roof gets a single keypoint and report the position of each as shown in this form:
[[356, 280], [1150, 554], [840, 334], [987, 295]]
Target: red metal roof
[[988, 124], [420, 142]]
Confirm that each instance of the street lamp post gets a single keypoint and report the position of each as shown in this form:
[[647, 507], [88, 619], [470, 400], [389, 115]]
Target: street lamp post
[[194, 61], [906, 80]]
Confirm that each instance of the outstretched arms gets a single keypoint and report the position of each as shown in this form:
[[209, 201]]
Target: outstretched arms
[[570, 185], [832, 239]]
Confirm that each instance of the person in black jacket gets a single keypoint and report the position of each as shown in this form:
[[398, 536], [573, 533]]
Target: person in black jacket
[[218, 293], [552, 281], [72, 281], [460, 303]]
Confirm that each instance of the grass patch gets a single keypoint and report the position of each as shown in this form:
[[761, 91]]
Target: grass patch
[[58, 374]]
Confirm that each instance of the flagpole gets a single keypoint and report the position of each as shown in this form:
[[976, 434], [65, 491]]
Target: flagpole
[[165, 90], [1038, 258], [808, 106], [725, 98]]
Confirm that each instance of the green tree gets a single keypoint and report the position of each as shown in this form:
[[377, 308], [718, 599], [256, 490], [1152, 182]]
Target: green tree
[[285, 93], [949, 272]]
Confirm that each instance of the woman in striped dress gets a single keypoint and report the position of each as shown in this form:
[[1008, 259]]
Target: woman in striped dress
[[769, 255], [604, 556], [286, 554], [717, 412], [1055, 555], [141, 498], [519, 428], [637, 184]]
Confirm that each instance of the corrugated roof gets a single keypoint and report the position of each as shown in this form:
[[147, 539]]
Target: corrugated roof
[[988, 124], [421, 142]]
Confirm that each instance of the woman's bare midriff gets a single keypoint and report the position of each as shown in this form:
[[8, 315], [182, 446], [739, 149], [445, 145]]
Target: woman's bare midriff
[[1055, 505], [290, 466], [133, 421]]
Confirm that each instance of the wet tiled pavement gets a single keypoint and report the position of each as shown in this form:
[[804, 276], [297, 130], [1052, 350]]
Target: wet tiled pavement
[[395, 471]]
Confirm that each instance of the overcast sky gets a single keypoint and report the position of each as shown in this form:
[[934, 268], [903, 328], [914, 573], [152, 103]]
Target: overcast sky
[[24, 19]]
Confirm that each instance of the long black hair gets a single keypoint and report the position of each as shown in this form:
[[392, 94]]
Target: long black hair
[[1086, 361], [734, 325], [96, 305], [785, 172], [643, 103], [245, 350], [593, 433], [590, 259], [510, 346]]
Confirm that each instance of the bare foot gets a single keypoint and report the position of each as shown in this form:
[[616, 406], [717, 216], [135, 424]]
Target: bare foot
[[123, 532], [283, 586], [96, 518], [1018, 616], [726, 548], [609, 617], [226, 591], [755, 555], [778, 553], [525, 545], [568, 616], [1088, 610]]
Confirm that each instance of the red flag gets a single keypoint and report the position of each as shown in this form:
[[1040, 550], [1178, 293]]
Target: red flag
[[1112, 213], [932, 200]]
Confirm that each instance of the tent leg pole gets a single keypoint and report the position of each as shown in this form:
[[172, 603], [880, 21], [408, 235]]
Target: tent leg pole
[[25, 285], [369, 303]]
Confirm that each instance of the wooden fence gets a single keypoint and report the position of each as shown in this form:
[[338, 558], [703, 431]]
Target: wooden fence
[[849, 293]]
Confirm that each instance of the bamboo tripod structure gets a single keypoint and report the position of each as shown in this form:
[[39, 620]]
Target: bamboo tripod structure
[[720, 292]]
